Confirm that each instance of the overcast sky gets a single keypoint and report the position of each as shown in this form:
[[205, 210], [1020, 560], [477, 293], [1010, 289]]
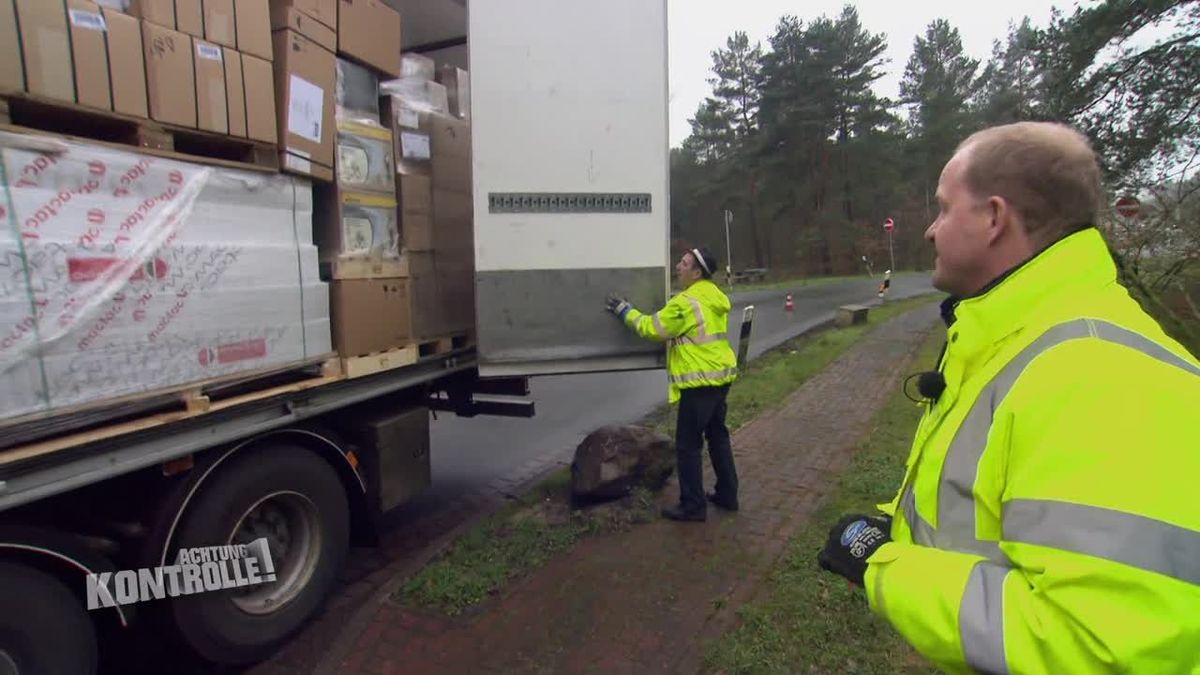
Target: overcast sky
[[697, 27]]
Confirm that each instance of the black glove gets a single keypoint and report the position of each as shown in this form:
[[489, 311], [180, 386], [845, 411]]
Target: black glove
[[618, 305], [853, 540]]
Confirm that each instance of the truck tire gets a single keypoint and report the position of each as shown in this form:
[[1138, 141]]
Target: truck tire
[[292, 497], [44, 627]]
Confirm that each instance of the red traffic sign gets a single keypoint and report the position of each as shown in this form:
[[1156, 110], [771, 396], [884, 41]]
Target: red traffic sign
[[1129, 207], [889, 224]]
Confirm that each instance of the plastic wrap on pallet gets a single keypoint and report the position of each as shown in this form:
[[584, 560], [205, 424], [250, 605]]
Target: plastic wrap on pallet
[[123, 273], [356, 96], [417, 67], [364, 158], [458, 90], [418, 95]]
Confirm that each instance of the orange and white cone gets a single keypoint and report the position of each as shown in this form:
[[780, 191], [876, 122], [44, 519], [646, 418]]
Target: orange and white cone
[[788, 305]]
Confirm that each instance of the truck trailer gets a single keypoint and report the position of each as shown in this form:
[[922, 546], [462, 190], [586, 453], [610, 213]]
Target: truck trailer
[[569, 198]]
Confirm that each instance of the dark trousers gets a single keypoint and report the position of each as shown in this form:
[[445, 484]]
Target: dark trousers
[[702, 415]]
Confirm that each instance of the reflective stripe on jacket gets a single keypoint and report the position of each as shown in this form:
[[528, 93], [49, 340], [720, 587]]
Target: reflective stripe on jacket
[[694, 324], [1049, 521]]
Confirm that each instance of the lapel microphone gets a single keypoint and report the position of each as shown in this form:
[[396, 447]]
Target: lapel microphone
[[930, 385]]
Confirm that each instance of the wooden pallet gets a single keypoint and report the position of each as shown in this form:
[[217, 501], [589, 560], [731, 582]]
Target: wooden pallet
[[378, 362], [143, 423], [21, 112], [443, 345], [173, 402], [364, 268]]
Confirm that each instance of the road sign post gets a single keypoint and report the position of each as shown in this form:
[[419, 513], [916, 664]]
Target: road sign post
[[889, 225], [728, 250]]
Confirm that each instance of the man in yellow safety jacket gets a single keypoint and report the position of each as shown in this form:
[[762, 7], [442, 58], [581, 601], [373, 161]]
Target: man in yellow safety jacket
[[1048, 520], [700, 367]]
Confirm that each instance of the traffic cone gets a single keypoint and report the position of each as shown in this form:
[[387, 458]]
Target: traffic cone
[[787, 303]]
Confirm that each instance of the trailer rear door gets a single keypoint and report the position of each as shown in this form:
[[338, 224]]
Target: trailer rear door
[[570, 167]]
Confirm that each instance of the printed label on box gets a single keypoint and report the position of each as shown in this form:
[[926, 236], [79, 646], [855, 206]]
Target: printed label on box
[[305, 109], [353, 164], [209, 52], [89, 20], [358, 235], [414, 146]]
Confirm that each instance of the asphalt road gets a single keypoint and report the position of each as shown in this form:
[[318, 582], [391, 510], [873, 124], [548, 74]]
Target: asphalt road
[[468, 453]]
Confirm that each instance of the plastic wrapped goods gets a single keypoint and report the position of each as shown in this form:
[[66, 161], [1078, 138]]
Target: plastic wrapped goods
[[123, 273]]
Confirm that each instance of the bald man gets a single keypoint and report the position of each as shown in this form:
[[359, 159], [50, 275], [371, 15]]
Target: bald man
[[1048, 519]]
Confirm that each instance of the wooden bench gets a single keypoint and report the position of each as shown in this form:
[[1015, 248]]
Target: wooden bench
[[848, 315]]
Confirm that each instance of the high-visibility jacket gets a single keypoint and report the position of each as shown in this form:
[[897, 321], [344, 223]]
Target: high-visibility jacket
[[694, 325], [1049, 519]]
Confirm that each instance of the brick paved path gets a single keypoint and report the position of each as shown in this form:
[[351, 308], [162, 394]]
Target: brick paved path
[[645, 600]]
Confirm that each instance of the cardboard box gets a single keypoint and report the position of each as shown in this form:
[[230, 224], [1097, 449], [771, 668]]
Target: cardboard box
[[259, 85], [235, 93], [298, 15], [412, 146], [88, 32], [453, 215], [458, 90], [189, 17], [416, 212], [298, 163], [355, 225], [305, 76], [441, 296], [219, 22], [12, 75], [369, 315], [170, 75], [451, 145], [159, 12], [212, 106], [325, 11], [126, 63], [369, 31], [253, 20], [46, 46], [364, 159]]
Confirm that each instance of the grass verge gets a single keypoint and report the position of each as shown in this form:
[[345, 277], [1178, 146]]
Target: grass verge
[[529, 531], [811, 620]]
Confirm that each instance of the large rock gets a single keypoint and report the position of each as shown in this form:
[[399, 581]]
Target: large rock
[[613, 460]]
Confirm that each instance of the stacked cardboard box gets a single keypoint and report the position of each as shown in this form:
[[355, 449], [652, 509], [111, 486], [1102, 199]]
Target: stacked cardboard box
[[181, 62], [433, 163], [357, 230], [392, 180]]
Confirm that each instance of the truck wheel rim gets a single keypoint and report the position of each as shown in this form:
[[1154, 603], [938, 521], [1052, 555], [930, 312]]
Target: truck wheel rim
[[289, 523]]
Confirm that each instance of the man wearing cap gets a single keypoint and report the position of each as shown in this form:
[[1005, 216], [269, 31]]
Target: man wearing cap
[[700, 366], [1047, 521]]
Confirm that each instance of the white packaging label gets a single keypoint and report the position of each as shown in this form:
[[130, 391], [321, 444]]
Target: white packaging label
[[409, 118], [306, 108], [208, 52], [89, 20], [297, 163], [414, 146]]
